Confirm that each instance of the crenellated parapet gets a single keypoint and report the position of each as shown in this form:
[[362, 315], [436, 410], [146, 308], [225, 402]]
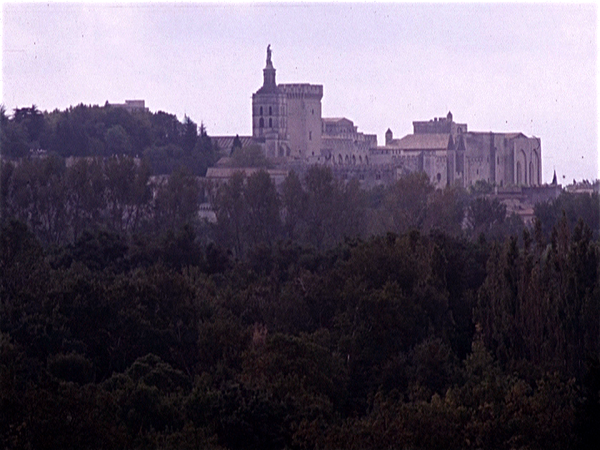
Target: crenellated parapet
[[302, 90]]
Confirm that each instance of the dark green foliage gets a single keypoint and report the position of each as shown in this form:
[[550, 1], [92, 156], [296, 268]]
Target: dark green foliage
[[575, 207], [299, 320], [116, 342], [251, 156], [94, 131]]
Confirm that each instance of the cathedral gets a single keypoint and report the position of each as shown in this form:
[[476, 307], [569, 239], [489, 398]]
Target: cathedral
[[287, 123]]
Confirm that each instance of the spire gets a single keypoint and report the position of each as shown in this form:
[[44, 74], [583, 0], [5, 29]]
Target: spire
[[554, 180], [269, 83]]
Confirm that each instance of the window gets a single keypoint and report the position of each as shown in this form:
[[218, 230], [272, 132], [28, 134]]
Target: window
[[270, 111], [261, 123], [261, 111], [270, 123], [310, 135]]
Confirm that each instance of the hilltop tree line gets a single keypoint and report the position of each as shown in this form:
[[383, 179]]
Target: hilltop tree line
[[104, 131], [60, 202], [316, 315], [313, 314]]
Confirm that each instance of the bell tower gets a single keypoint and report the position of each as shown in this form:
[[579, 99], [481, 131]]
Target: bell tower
[[269, 114]]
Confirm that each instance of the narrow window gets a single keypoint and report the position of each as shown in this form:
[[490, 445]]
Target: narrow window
[[261, 123], [270, 111], [270, 123], [261, 111], [310, 135]]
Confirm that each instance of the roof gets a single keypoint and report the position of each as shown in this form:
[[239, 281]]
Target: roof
[[227, 172], [337, 120], [423, 142], [268, 89], [226, 142], [510, 135]]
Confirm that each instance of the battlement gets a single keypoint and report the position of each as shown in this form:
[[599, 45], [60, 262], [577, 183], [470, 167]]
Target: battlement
[[440, 125], [299, 90], [131, 105]]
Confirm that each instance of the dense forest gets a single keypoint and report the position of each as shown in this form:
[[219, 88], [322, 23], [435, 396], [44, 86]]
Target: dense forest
[[102, 131], [311, 315]]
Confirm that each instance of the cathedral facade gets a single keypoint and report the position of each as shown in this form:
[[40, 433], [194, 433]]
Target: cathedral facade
[[287, 123]]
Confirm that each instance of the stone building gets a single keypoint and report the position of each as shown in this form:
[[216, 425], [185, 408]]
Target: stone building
[[287, 122], [452, 155], [130, 105], [343, 144], [286, 118]]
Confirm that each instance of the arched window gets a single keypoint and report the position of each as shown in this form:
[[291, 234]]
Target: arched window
[[439, 177], [531, 173], [261, 123], [270, 123], [261, 112], [522, 168], [270, 111], [534, 178]]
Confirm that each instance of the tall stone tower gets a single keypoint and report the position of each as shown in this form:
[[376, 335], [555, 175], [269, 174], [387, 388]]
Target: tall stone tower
[[269, 114], [286, 118]]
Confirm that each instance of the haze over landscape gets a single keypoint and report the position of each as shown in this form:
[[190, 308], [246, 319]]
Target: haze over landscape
[[510, 67]]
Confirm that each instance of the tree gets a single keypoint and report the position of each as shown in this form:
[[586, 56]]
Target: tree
[[484, 213], [190, 135], [322, 193], [446, 210], [128, 193], [293, 202], [405, 203], [117, 141], [33, 121], [231, 211], [262, 202], [251, 156], [177, 201], [86, 189]]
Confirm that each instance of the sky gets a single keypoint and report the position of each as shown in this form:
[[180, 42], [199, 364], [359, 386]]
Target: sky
[[511, 67]]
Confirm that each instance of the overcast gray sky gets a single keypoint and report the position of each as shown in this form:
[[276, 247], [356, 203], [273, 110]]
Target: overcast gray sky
[[497, 67]]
